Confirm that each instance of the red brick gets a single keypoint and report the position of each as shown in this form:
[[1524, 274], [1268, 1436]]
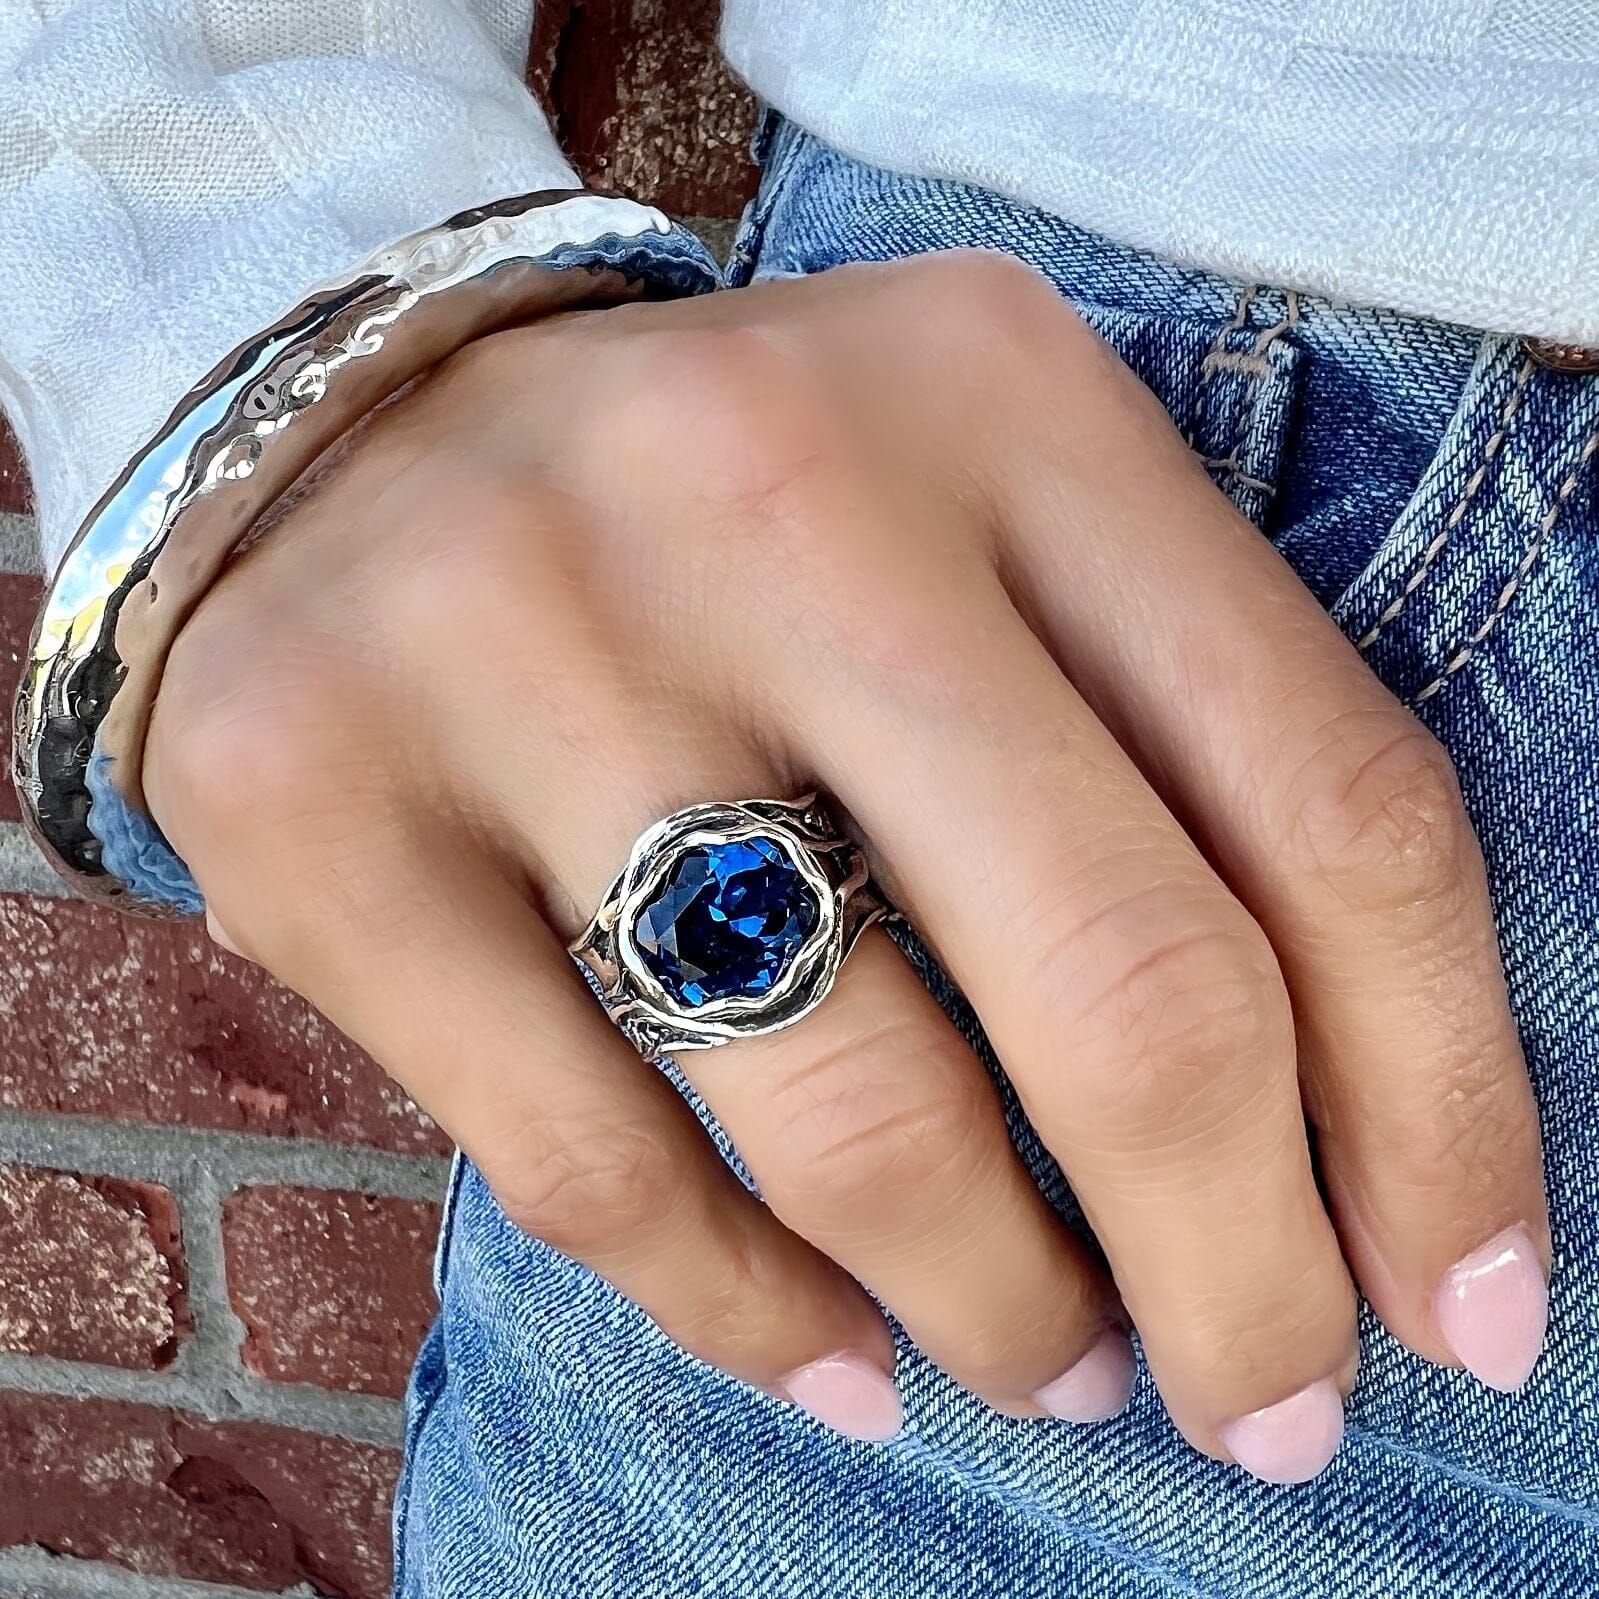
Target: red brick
[[16, 493], [643, 102], [91, 1268], [19, 601], [335, 1288], [109, 1015], [171, 1495]]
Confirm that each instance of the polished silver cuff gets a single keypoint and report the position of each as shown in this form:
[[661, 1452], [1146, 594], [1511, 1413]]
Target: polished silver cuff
[[150, 549]]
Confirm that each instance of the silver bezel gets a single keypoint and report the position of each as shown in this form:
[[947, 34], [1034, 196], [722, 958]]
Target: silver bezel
[[831, 866]]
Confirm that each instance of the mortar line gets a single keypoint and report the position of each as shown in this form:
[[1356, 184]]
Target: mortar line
[[33, 1572], [211, 1356], [357, 1418], [158, 1152], [209, 1362]]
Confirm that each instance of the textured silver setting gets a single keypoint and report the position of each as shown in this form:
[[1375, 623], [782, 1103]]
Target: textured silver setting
[[150, 549], [833, 866]]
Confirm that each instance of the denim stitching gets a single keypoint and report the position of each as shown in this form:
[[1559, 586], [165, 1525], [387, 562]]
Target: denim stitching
[[1457, 512], [1232, 470], [1529, 559], [1212, 362]]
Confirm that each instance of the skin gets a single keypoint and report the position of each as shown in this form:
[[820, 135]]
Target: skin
[[910, 534]]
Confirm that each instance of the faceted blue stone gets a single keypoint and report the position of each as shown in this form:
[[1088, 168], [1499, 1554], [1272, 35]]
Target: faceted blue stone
[[727, 921]]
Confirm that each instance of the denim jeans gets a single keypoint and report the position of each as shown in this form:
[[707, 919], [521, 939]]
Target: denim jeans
[[1437, 490]]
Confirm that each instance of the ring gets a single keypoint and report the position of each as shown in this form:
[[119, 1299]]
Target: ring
[[728, 921]]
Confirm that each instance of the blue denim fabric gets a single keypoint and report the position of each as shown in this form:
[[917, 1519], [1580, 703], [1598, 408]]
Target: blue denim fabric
[[1438, 492]]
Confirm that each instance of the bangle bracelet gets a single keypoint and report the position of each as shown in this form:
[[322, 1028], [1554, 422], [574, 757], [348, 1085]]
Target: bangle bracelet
[[145, 556]]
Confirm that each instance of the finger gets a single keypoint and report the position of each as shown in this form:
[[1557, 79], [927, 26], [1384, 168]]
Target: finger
[[871, 1128], [428, 957], [1134, 1004], [874, 1132], [1338, 821], [1139, 1012]]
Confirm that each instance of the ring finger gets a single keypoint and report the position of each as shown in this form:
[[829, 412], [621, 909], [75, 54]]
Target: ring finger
[[871, 1128]]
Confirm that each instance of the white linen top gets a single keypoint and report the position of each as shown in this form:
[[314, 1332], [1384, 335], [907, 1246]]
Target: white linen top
[[175, 173]]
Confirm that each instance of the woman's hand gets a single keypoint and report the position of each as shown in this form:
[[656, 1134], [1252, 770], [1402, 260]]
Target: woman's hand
[[912, 535]]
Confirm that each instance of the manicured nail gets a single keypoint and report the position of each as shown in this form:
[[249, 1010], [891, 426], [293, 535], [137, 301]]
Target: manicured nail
[[1493, 1310], [850, 1394], [1098, 1386], [1292, 1440]]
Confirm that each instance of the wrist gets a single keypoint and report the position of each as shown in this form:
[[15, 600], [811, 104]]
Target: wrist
[[162, 532]]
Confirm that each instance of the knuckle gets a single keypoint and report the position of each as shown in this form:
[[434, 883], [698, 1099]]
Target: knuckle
[[470, 557], [1162, 1021], [866, 1126], [578, 1193], [735, 416], [244, 746], [993, 301], [987, 282], [1377, 817]]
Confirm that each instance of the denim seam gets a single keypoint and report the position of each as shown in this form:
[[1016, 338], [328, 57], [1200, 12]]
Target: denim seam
[[777, 160], [1512, 585], [1425, 567], [1081, 1529], [1560, 1510]]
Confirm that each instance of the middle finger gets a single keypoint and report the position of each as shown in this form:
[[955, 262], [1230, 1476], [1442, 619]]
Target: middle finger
[[1136, 1005]]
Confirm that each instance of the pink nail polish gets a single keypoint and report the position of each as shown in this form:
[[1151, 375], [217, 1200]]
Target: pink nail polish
[[850, 1394], [1292, 1440], [1493, 1310], [1098, 1386]]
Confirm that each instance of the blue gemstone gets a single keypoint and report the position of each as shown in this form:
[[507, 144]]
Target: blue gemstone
[[727, 921]]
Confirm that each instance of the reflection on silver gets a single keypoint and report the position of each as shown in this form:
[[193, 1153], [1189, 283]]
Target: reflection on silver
[[654, 1021], [147, 553]]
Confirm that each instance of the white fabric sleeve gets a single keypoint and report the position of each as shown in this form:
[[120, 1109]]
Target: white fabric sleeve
[[174, 174]]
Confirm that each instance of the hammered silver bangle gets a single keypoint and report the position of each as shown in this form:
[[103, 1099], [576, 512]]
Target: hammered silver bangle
[[147, 553]]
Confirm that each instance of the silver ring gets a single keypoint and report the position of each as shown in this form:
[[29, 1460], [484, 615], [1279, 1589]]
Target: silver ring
[[728, 921]]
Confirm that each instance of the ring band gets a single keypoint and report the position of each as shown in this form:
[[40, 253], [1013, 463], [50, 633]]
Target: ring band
[[728, 921]]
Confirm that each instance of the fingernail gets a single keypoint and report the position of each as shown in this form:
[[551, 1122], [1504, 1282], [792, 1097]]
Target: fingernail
[[1098, 1386], [850, 1394], [1493, 1310], [1292, 1440]]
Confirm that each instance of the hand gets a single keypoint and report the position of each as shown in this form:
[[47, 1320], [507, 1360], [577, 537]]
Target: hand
[[912, 535]]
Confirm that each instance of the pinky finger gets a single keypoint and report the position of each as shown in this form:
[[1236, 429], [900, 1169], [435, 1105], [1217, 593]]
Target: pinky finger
[[454, 983]]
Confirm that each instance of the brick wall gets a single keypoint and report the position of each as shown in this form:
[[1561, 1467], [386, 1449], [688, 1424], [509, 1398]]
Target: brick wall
[[215, 1213]]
